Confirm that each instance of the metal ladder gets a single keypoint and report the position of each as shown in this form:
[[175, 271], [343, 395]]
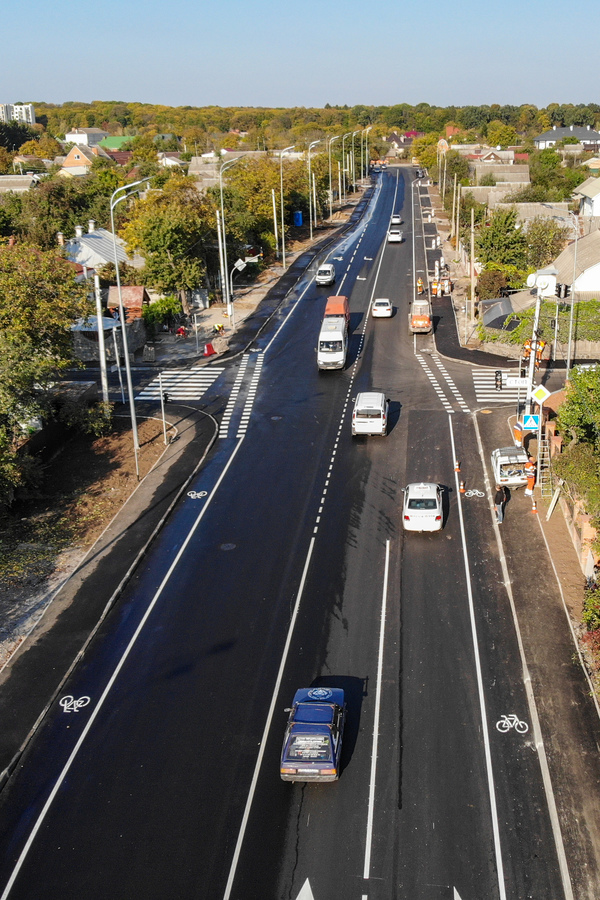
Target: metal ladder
[[544, 474]]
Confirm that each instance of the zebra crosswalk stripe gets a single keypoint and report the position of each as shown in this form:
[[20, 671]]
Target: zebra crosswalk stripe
[[484, 382], [181, 384]]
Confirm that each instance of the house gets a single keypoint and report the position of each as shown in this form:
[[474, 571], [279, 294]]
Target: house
[[27, 162], [96, 248], [588, 195], [584, 134], [17, 112], [17, 184], [121, 157], [86, 137], [171, 159], [79, 159], [134, 300], [115, 142], [586, 266]]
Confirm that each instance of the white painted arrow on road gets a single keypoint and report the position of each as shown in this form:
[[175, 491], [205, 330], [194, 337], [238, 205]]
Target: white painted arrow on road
[[306, 893], [456, 895]]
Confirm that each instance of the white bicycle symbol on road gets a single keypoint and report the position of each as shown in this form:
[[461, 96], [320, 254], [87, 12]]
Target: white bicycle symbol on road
[[70, 704], [197, 495], [507, 722], [473, 493]]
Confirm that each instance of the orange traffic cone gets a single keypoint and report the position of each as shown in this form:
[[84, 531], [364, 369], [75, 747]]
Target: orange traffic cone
[[462, 487], [533, 506], [457, 465], [209, 350]]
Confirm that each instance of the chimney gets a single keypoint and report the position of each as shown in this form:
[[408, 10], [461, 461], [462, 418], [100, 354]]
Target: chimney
[[78, 231], [91, 226], [60, 238]]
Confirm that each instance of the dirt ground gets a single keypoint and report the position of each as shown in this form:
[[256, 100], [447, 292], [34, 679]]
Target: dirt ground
[[43, 537]]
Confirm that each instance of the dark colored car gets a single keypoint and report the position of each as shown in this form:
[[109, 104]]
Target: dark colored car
[[313, 738]]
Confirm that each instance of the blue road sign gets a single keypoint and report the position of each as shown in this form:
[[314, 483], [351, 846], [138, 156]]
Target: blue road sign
[[531, 422]]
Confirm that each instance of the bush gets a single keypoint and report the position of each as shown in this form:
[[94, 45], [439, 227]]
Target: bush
[[161, 312], [591, 607]]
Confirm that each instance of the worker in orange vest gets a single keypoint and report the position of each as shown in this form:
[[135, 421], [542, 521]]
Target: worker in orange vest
[[419, 285], [530, 472]]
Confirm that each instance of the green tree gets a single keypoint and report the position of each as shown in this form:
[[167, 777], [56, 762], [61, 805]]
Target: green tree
[[502, 241], [545, 240], [579, 415], [39, 301], [499, 134], [425, 149]]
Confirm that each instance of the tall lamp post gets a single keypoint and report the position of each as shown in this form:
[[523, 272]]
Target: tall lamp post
[[310, 187], [125, 192], [569, 357], [344, 160], [281, 154], [330, 142], [367, 130], [353, 163], [224, 279]]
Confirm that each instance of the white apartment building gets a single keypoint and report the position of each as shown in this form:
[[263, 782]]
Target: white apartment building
[[17, 112]]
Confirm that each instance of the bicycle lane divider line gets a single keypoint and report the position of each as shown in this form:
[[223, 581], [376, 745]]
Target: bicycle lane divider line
[[376, 717], [482, 709], [531, 702], [98, 706]]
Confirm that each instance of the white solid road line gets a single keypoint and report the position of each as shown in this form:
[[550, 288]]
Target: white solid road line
[[40, 819], [533, 713], [372, 780], [482, 710]]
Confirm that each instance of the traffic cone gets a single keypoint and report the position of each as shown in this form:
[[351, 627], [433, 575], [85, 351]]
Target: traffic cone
[[462, 487], [457, 465], [533, 506], [209, 350]]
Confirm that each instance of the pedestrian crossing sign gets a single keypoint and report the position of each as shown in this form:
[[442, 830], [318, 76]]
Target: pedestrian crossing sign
[[531, 422]]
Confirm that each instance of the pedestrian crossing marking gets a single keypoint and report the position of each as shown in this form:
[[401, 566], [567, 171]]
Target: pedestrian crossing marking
[[484, 382], [181, 384]]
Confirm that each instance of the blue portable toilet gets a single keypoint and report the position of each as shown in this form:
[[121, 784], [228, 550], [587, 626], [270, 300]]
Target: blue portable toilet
[[298, 218]]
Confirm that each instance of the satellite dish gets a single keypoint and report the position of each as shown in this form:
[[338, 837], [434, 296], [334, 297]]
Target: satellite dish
[[531, 281]]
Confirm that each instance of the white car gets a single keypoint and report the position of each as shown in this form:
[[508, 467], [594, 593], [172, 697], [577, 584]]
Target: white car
[[395, 236], [396, 220], [381, 309], [370, 415], [422, 509], [325, 274]]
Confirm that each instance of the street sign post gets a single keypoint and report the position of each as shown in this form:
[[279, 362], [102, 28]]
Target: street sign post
[[540, 394], [531, 422], [514, 381]]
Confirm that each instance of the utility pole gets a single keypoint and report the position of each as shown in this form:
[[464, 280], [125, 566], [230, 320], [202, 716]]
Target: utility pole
[[101, 347], [472, 262], [453, 207]]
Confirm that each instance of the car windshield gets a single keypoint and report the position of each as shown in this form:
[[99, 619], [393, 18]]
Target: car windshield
[[422, 503], [330, 346], [314, 747], [325, 272]]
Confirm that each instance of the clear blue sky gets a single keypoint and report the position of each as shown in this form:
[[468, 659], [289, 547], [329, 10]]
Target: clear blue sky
[[268, 53]]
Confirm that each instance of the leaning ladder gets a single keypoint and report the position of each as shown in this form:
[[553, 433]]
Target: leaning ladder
[[544, 474]]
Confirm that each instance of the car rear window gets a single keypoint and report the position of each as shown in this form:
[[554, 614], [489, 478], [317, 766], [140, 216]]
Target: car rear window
[[369, 413], [330, 346], [309, 746], [422, 503]]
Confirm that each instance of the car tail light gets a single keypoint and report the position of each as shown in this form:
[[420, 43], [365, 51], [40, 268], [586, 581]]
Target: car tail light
[[288, 771], [407, 518], [327, 771], [438, 518]]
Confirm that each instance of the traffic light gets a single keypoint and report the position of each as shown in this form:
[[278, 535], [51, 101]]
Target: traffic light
[[498, 379], [558, 290], [566, 291]]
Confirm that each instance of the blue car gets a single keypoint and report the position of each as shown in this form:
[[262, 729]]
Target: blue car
[[313, 738]]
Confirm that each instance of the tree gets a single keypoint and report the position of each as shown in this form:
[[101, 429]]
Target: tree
[[502, 241], [579, 415], [175, 230], [425, 149], [499, 134], [39, 300], [46, 148], [545, 240], [491, 283]]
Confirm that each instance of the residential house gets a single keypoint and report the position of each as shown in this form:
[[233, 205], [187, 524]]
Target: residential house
[[171, 159], [134, 300], [96, 248], [586, 266], [121, 157], [79, 159], [115, 141], [588, 195], [27, 162], [86, 137], [584, 134], [17, 184]]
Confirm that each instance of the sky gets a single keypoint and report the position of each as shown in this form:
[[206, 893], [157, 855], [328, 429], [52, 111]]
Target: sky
[[280, 54]]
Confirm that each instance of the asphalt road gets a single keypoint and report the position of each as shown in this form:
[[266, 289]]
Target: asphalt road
[[289, 568]]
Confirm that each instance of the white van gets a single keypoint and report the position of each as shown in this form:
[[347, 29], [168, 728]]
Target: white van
[[508, 466], [370, 415], [325, 274], [333, 343]]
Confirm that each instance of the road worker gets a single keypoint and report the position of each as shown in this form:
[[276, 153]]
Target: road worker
[[530, 472]]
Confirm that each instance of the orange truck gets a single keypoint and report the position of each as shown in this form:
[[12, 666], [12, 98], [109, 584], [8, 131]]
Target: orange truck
[[419, 317], [338, 306]]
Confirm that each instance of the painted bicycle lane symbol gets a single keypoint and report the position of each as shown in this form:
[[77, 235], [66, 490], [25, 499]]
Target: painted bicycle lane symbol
[[474, 493], [507, 722], [72, 705], [197, 495]]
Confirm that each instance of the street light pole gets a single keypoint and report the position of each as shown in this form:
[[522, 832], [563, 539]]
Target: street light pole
[[225, 165], [330, 142], [569, 357], [344, 161], [125, 192], [367, 130], [310, 146], [353, 164], [281, 152]]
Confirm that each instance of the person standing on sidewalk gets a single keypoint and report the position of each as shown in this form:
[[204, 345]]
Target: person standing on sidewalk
[[499, 501]]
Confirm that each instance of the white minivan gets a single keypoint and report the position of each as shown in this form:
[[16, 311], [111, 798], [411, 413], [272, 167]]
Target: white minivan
[[370, 415], [325, 274]]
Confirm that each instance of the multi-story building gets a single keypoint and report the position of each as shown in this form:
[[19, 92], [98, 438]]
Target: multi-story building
[[17, 112]]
